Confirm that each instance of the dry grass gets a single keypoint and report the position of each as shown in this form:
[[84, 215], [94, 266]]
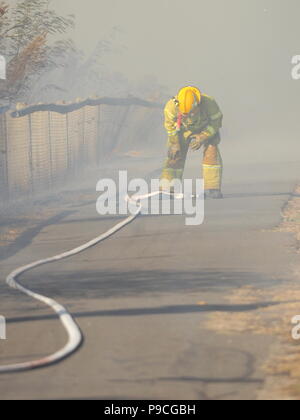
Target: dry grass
[[291, 216], [13, 225], [283, 368], [13, 229], [275, 321]]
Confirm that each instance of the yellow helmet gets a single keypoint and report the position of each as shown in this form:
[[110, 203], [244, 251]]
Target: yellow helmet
[[188, 98]]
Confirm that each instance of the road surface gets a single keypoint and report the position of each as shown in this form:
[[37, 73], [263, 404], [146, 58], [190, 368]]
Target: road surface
[[143, 297]]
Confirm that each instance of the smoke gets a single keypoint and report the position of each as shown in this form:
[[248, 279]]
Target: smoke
[[238, 51]]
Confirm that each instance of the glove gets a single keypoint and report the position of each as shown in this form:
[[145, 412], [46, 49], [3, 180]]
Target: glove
[[197, 141], [174, 151]]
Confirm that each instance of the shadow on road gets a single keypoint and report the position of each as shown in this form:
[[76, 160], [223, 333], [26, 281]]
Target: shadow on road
[[161, 310], [25, 239], [70, 285], [256, 195], [98, 284]]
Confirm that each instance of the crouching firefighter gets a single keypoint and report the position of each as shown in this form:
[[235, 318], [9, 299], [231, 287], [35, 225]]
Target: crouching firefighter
[[193, 120]]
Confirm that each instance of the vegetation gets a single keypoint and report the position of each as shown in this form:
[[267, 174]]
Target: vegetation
[[43, 65], [27, 42]]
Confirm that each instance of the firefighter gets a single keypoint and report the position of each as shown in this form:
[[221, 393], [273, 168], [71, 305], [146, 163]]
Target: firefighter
[[192, 121]]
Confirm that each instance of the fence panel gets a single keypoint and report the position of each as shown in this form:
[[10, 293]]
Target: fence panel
[[90, 135], [19, 159], [58, 139], [3, 159], [112, 118], [41, 145], [75, 132], [40, 151]]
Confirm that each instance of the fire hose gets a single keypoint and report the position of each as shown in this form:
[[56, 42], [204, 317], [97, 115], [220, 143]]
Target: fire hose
[[75, 336]]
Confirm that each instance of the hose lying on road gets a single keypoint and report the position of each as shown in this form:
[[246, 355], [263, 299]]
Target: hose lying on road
[[75, 337]]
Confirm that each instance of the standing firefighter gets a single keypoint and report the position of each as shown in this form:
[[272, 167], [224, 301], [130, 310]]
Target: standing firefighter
[[193, 120]]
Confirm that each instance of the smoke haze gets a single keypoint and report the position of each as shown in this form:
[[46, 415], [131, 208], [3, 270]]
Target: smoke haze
[[239, 51]]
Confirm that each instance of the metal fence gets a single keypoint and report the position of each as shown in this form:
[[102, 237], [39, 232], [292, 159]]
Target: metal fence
[[42, 145]]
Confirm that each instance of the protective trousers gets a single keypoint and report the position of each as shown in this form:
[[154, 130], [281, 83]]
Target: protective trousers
[[212, 164]]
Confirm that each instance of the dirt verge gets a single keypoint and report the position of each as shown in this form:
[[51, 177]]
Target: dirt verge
[[275, 319]]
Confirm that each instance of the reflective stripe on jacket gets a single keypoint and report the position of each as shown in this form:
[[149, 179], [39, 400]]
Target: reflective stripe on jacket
[[206, 119]]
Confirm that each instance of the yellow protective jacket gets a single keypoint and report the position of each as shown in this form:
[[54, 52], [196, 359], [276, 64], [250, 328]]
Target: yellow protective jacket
[[206, 119]]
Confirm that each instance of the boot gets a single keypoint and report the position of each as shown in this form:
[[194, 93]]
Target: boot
[[214, 194]]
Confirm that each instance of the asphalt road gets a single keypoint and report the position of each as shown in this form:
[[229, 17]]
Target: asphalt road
[[142, 298]]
